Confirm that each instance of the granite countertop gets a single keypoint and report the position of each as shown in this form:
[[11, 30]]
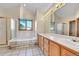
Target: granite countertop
[[63, 40]]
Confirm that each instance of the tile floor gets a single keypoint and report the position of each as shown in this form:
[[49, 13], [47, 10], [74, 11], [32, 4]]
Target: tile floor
[[21, 51]]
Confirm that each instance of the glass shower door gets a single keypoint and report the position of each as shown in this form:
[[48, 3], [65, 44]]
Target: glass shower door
[[3, 31]]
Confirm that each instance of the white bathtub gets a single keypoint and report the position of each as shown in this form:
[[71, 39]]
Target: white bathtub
[[23, 40]]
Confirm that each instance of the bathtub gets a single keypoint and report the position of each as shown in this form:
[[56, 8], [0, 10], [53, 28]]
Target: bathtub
[[23, 40]]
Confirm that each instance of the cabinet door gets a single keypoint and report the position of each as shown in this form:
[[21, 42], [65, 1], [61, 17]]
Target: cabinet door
[[65, 52], [54, 49], [37, 39], [41, 42], [46, 46]]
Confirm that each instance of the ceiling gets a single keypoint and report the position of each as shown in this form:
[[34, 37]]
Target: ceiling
[[8, 5], [29, 6], [68, 11], [43, 7]]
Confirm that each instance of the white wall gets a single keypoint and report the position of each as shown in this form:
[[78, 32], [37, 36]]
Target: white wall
[[2, 13], [47, 20], [25, 34], [12, 12], [39, 22]]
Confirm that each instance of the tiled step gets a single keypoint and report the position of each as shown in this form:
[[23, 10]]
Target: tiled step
[[15, 43]]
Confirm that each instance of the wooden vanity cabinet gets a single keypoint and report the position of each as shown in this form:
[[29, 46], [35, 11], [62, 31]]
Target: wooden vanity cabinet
[[54, 49], [51, 48], [65, 52], [46, 46]]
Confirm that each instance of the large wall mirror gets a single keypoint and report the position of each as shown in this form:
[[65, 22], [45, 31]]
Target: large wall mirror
[[65, 20]]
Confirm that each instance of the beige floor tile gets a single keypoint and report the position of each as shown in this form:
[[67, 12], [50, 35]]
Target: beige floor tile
[[33, 50]]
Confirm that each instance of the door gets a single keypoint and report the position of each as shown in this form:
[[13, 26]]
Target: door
[[2, 31]]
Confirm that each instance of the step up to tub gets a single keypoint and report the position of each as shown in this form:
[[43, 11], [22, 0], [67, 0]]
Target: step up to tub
[[21, 42]]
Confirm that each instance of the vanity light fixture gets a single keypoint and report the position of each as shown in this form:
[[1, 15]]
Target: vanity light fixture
[[54, 8], [59, 5]]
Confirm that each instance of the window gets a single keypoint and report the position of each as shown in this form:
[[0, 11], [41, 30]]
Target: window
[[29, 24], [25, 24]]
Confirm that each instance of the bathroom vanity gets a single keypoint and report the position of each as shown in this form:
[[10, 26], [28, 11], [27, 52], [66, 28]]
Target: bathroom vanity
[[58, 45]]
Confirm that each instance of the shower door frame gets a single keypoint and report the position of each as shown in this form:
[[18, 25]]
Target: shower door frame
[[6, 30]]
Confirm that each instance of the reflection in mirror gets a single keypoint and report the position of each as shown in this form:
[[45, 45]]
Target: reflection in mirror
[[72, 28], [64, 29], [64, 15], [52, 23]]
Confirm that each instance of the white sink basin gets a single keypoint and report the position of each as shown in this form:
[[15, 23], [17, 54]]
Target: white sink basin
[[74, 41]]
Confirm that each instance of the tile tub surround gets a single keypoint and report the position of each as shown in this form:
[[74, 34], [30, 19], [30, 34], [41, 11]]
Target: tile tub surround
[[62, 40]]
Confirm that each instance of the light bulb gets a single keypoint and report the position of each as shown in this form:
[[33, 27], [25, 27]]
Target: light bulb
[[24, 5]]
